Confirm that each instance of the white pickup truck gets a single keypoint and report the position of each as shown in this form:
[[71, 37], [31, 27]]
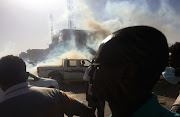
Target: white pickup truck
[[71, 70]]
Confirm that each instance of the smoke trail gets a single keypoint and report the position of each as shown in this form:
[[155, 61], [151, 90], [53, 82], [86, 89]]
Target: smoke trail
[[86, 20], [102, 32]]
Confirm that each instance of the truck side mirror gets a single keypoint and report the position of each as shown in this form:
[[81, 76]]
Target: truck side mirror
[[82, 63]]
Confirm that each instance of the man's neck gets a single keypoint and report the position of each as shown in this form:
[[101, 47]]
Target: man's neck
[[127, 108], [5, 87]]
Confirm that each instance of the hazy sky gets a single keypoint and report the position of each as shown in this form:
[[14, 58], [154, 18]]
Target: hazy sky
[[25, 24]]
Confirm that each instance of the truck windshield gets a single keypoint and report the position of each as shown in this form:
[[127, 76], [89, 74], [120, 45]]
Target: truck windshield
[[85, 63]]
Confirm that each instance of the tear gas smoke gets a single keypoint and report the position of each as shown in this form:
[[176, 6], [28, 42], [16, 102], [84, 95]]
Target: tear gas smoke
[[113, 16], [117, 14], [102, 32], [86, 20], [65, 49], [165, 19]]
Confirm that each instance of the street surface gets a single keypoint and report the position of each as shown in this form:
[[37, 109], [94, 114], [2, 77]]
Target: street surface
[[167, 93]]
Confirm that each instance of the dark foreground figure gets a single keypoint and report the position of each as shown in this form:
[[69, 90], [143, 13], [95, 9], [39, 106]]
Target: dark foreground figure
[[22, 100], [127, 65], [93, 101], [174, 76]]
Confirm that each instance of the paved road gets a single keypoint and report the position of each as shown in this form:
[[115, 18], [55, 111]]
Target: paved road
[[167, 93], [77, 90]]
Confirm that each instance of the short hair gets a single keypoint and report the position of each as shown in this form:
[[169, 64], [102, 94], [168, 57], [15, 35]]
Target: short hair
[[12, 70], [175, 49], [175, 55], [142, 45]]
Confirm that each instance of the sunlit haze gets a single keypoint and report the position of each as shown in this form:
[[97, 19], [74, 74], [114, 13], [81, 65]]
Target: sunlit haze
[[26, 24], [35, 4]]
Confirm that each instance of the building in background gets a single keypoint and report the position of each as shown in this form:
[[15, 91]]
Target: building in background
[[80, 38]]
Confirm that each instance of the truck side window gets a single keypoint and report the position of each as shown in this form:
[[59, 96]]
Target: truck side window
[[72, 63], [82, 63], [30, 78], [85, 63]]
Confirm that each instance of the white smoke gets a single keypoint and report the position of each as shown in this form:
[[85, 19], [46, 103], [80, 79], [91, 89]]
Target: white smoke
[[165, 19], [63, 50], [113, 16]]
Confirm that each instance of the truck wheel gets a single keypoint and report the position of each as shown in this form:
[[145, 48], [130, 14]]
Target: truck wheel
[[57, 77]]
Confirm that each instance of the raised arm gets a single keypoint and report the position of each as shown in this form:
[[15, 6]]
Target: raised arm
[[73, 107]]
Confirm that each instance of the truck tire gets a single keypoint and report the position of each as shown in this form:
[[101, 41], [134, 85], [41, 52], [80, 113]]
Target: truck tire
[[56, 76]]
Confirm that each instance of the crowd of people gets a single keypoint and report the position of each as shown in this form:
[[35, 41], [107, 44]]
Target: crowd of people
[[125, 69], [172, 72]]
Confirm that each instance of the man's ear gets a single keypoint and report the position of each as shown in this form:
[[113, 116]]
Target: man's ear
[[129, 71], [128, 74]]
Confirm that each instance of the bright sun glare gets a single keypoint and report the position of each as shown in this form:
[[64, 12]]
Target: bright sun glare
[[36, 4]]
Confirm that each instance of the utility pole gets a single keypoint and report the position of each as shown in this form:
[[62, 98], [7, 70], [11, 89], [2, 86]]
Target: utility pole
[[70, 16], [52, 28]]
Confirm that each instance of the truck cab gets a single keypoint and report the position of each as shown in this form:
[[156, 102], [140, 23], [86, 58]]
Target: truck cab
[[74, 69], [70, 70]]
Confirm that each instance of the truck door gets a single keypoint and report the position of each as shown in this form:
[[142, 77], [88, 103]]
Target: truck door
[[83, 66], [72, 70]]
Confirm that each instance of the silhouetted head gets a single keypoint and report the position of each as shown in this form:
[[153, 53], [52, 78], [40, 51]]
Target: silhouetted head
[[129, 62], [12, 70], [175, 55]]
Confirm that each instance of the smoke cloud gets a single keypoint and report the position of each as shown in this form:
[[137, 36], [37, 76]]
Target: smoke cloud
[[110, 16], [64, 49], [117, 14]]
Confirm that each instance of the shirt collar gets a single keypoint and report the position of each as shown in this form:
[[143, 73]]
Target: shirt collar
[[16, 87], [151, 106]]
